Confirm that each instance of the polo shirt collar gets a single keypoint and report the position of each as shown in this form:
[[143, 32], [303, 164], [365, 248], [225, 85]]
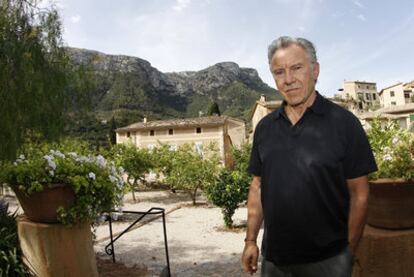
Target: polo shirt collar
[[317, 107]]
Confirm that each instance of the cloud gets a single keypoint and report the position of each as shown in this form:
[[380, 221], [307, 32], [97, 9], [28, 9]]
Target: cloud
[[181, 5], [302, 29], [75, 18], [359, 4], [362, 17]]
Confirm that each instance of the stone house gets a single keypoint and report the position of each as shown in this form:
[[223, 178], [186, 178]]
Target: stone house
[[397, 95], [224, 131], [362, 94]]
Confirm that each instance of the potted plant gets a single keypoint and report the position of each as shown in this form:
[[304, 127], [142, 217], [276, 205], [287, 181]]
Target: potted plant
[[391, 203], [57, 186]]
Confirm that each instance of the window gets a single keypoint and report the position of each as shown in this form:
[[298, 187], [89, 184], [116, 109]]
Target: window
[[128, 134], [374, 96], [368, 96], [198, 130], [393, 103], [392, 94], [152, 132], [170, 131], [407, 95]]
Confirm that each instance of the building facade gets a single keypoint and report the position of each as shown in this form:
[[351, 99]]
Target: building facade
[[223, 131], [397, 95], [361, 95]]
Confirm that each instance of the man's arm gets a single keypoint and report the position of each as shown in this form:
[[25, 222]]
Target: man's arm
[[254, 221], [359, 191]]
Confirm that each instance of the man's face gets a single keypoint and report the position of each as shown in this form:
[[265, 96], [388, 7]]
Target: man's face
[[294, 76]]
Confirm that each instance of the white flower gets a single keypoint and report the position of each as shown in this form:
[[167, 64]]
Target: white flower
[[51, 172], [121, 170], [387, 157], [48, 157], [92, 175], [387, 149], [100, 160], [395, 140], [113, 169], [59, 154], [51, 164], [113, 179], [22, 157], [73, 154], [15, 163]]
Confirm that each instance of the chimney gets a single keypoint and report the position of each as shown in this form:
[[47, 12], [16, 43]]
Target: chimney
[[262, 98], [144, 120]]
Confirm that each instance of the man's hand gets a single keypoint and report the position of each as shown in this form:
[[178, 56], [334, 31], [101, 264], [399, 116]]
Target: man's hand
[[249, 257]]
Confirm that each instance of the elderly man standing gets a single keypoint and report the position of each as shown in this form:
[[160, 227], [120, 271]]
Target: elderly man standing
[[310, 160]]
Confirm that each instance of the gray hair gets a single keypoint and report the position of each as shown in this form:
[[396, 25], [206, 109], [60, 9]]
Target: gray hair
[[285, 41]]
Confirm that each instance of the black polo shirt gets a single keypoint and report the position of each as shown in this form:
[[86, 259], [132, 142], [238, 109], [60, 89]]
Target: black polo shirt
[[303, 169]]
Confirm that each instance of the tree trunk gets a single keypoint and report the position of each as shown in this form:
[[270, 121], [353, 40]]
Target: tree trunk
[[194, 196], [132, 188]]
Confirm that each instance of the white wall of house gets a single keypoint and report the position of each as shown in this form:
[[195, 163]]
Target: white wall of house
[[393, 96]]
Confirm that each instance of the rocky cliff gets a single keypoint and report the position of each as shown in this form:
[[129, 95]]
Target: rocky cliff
[[129, 88]]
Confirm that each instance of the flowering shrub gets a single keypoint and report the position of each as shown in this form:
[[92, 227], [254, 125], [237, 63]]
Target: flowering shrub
[[393, 149], [96, 182]]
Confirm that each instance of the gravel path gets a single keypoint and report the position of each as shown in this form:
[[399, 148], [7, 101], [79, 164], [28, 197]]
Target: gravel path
[[198, 243]]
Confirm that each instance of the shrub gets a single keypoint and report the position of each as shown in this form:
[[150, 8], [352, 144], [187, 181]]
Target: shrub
[[393, 149], [231, 187], [229, 190], [11, 263]]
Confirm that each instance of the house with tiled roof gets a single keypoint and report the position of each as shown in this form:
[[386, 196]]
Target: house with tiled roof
[[398, 94], [262, 107], [224, 131], [402, 114]]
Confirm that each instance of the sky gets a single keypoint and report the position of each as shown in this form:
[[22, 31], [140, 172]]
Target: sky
[[365, 40]]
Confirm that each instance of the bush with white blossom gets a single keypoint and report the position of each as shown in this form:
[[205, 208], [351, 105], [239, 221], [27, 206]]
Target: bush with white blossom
[[393, 149], [96, 182]]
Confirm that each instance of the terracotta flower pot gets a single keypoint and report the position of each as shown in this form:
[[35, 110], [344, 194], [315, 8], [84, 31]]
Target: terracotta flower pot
[[41, 206], [391, 204]]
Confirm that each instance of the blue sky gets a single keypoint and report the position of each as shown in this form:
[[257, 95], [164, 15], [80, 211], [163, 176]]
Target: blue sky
[[371, 40]]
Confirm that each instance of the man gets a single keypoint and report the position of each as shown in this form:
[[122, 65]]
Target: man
[[310, 160]]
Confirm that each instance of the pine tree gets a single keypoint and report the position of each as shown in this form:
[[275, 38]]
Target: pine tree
[[112, 133]]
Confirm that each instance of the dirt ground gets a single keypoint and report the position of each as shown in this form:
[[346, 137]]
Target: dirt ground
[[106, 268]]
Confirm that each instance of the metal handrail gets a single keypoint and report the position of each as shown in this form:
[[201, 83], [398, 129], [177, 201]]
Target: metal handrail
[[109, 248]]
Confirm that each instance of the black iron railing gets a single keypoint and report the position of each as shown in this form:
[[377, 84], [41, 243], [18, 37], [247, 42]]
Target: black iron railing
[[109, 248]]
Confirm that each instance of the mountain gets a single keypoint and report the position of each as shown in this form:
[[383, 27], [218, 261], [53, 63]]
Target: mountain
[[129, 89]]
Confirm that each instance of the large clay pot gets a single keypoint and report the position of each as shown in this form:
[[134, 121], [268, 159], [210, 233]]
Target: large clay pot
[[41, 206], [391, 204]]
